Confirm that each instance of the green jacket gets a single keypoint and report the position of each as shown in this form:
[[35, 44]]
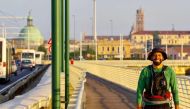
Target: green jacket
[[144, 83]]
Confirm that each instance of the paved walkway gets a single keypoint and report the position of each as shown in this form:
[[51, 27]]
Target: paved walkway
[[101, 94]]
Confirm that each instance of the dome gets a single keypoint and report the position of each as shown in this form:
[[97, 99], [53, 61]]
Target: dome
[[31, 34]]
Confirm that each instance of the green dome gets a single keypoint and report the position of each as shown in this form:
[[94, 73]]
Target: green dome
[[32, 33]]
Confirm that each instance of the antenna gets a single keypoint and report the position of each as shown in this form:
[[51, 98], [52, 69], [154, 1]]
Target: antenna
[[29, 13], [173, 27]]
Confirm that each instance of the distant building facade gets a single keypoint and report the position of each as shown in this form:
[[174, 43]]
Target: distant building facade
[[74, 46], [109, 47], [176, 43], [165, 39], [114, 49]]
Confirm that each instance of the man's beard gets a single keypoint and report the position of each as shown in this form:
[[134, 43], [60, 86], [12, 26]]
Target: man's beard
[[157, 63]]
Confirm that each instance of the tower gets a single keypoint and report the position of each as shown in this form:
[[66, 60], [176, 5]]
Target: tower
[[140, 20]]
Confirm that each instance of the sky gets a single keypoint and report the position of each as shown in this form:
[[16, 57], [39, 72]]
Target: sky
[[158, 15]]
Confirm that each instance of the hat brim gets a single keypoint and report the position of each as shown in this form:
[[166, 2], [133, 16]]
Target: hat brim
[[163, 54]]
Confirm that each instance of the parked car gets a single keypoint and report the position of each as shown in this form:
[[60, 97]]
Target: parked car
[[26, 64], [18, 62]]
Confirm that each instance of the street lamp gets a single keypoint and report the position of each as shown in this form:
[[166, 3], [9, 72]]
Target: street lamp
[[166, 43], [81, 46], [182, 38], [94, 18], [121, 47], [74, 34], [28, 37], [91, 23], [111, 27], [152, 46], [145, 47]]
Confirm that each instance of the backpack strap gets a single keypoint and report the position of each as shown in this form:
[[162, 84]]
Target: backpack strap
[[163, 71], [152, 80]]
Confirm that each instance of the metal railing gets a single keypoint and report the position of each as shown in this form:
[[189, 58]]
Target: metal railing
[[120, 73], [184, 91], [41, 96], [138, 63], [33, 99], [77, 80]]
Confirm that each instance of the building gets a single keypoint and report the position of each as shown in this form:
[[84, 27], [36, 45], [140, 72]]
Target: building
[[108, 47], [165, 39], [144, 40], [179, 52], [114, 49], [139, 20], [74, 46], [29, 37]]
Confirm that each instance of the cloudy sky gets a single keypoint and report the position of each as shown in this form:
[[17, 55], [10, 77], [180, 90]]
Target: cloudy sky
[[159, 15]]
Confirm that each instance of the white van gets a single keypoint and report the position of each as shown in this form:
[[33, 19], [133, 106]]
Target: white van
[[39, 56]]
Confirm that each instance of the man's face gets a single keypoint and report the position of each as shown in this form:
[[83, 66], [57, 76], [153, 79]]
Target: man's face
[[157, 58]]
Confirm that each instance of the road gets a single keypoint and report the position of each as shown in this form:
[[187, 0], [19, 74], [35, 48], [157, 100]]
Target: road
[[102, 94], [14, 78]]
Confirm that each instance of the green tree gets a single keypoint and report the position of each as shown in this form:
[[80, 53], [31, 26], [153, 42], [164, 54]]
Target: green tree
[[156, 39], [42, 48]]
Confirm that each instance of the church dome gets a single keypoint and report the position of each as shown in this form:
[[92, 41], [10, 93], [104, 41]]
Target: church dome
[[31, 34]]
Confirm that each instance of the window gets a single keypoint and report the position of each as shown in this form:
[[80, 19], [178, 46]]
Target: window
[[108, 49], [37, 55], [112, 48], [28, 55]]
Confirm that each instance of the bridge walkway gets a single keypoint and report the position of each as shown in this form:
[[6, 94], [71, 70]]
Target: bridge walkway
[[102, 94]]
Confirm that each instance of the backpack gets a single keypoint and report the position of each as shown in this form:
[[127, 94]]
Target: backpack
[[158, 87]]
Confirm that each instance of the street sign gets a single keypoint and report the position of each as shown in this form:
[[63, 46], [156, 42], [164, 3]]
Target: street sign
[[50, 41], [50, 44]]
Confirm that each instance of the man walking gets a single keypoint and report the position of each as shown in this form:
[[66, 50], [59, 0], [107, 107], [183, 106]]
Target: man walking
[[155, 82]]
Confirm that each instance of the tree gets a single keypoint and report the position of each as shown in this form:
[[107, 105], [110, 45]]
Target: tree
[[42, 48], [156, 39]]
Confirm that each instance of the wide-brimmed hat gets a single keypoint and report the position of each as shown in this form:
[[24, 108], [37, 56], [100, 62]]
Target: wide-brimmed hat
[[157, 50]]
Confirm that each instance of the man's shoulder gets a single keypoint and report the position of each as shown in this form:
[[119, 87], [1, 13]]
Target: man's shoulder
[[149, 67], [146, 68], [168, 68]]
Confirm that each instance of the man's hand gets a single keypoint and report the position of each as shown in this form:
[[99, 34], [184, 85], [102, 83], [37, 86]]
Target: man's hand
[[177, 106], [139, 106]]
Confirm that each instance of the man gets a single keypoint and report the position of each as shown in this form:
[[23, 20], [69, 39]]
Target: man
[[155, 81]]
